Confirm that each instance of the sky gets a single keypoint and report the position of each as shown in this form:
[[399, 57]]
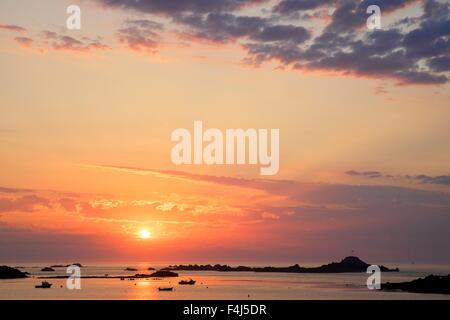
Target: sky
[[86, 118]]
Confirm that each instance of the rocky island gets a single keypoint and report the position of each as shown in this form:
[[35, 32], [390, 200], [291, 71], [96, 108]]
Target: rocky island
[[131, 269], [164, 274], [157, 274], [429, 284], [47, 269], [11, 273], [348, 264], [66, 265]]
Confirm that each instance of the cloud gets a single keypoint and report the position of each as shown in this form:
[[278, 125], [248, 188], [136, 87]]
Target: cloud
[[24, 41], [174, 7], [221, 27], [372, 174], [325, 193], [289, 33], [389, 53], [12, 27], [444, 180], [28, 200], [294, 213], [409, 50], [58, 41], [438, 180], [227, 27], [272, 216], [439, 64], [290, 6], [26, 203], [296, 218], [416, 54], [140, 34], [14, 190], [186, 176], [380, 90]]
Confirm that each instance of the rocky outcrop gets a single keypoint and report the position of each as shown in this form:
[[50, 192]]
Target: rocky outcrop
[[47, 269], [348, 264], [429, 284], [11, 273], [164, 273]]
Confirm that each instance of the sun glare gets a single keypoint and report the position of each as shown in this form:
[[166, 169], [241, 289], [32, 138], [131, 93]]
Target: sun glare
[[144, 234]]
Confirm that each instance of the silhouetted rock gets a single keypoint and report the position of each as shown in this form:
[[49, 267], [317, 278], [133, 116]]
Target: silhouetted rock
[[164, 273], [66, 265], [207, 267], [429, 284], [142, 275], [150, 268], [131, 269], [348, 264], [47, 269], [106, 276], [11, 273]]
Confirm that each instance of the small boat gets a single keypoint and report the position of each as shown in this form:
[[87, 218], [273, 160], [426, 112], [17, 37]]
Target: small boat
[[44, 285], [187, 282], [165, 288]]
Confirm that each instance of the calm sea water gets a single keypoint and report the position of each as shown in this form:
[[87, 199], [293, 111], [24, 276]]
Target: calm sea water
[[213, 285]]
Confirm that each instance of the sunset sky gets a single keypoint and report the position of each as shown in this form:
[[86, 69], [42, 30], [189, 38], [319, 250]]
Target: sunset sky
[[86, 117]]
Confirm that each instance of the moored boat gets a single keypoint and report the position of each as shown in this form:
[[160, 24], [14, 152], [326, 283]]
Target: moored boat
[[165, 288], [183, 282], [44, 285]]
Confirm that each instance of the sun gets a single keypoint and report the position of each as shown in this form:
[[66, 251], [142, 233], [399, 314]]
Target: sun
[[144, 234]]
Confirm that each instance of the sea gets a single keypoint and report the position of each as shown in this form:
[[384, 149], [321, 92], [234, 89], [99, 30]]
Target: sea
[[211, 285]]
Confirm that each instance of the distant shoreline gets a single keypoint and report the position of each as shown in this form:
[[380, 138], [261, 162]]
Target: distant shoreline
[[349, 264], [346, 265]]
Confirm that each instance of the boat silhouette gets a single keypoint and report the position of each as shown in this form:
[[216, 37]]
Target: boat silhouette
[[191, 282], [44, 285]]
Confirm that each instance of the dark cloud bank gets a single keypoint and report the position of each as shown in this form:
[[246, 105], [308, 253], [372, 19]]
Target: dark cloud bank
[[422, 178], [413, 50]]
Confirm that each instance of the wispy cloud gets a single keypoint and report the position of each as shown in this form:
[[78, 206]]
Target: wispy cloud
[[141, 34], [274, 214], [182, 175], [64, 42], [51, 40], [25, 203], [24, 41], [12, 27], [439, 180]]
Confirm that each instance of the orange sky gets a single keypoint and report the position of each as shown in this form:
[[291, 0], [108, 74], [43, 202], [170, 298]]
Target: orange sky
[[74, 121]]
